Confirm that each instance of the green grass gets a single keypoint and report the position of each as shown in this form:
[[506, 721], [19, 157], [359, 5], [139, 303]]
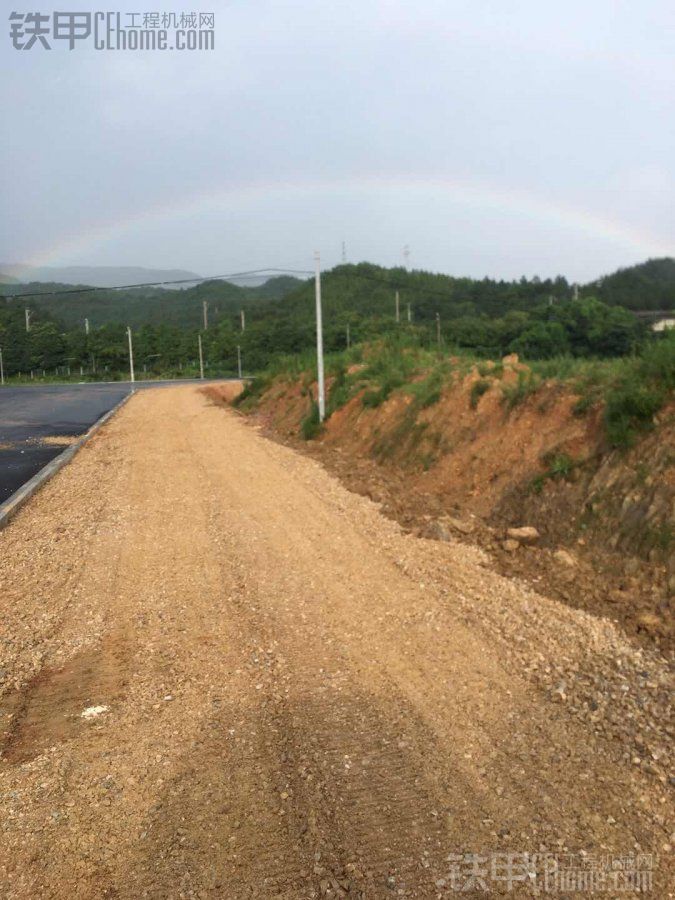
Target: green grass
[[485, 368], [253, 391], [632, 389], [340, 391], [516, 393], [427, 391], [630, 409], [559, 467], [478, 388], [310, 427]]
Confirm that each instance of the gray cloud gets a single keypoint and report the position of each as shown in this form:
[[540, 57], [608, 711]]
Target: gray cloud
[[499, 138]]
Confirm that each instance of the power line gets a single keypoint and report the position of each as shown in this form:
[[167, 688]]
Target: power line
[[127, 287]]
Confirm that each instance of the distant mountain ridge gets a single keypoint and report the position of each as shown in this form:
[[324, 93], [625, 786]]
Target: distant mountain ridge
[[351, 292], [95, 276], [148, 305]]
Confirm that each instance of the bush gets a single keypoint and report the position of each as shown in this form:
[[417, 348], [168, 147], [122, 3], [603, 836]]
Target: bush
[[583, 404], [630, 408], [514, 394], [478, 388], [377, 396], [253, 390], [427, 392], [310, 427], [657, 361], [340, 391]]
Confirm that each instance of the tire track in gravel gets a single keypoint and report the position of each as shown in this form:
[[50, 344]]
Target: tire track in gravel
[[520, 766], [346, 800]]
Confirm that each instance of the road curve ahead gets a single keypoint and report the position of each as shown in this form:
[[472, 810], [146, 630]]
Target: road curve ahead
[[224, 676]]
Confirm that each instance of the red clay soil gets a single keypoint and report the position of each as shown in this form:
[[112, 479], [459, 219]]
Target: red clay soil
[[478, 465]]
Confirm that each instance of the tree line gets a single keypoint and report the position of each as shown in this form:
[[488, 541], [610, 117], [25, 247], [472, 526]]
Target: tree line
[[539, 319]]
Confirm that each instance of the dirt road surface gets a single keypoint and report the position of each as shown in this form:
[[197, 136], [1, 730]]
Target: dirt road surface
[[287, 697]]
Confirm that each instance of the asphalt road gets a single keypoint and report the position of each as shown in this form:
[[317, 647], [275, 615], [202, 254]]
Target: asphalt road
[[29, 414]]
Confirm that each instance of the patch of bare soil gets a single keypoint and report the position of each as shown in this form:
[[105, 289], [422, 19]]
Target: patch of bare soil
[[223, 393], [56, 703]]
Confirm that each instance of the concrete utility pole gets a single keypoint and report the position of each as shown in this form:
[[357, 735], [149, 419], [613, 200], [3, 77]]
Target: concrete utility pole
[[27, 311], [132, 376], [201, 357], [576, 291], [86, 326], [398, 308], [438, 329], [205, 308], [242, 315], [409, 313], [319, 337], [2, 369], [239, 360]]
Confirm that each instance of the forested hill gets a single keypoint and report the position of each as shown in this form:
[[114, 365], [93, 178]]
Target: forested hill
[[149, 306], [366, 291], [539, 319], [362, 291], [650, 285]]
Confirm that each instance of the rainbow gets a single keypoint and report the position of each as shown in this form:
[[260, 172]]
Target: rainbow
[[459, 193]]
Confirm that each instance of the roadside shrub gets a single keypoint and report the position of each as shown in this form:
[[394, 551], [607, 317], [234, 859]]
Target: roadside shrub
[[432, 397], [427, 392], [340, 391], [583, 404], [478, 388], [252, 391], [514, 394], [310, 427], [630, 409], [373, 398], [658, 360], [377, 396]]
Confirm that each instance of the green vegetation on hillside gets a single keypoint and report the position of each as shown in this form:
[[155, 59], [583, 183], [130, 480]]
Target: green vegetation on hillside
[[539, 319], [632, 389], [149, 306], [650, 285]]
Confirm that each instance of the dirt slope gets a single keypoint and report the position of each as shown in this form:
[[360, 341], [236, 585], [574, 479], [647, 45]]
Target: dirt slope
[[539, 464], [300, 700]]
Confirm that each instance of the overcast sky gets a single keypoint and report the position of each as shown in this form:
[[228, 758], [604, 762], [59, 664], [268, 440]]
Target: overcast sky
[[495, 137]]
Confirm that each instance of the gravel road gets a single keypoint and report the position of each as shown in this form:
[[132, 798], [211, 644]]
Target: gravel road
[[285, 696]]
